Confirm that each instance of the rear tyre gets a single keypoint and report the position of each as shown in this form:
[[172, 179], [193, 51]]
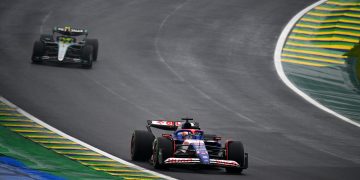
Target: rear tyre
[[235, 152], [87, 57], [38, 52], [162, 149], [141, 145], [95, 44]]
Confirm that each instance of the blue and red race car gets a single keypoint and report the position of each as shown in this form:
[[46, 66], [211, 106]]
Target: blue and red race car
[[188, 145]]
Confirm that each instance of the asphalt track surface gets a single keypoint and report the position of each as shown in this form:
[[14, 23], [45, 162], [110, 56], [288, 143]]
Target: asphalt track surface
[[211, 60]]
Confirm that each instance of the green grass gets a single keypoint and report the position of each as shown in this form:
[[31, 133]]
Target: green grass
[[355, 53]]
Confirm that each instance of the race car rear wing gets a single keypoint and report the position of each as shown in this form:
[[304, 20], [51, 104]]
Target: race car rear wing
[[168, 125], [70, 31]]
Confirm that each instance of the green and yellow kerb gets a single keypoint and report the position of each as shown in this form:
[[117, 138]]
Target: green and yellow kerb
[[15, 122], [323, 36]]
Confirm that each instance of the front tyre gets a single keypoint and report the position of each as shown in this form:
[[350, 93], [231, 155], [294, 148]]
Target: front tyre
[[162, 149], [87, 57], [38, 52], [95, 44], [141, 145], [235, 152]]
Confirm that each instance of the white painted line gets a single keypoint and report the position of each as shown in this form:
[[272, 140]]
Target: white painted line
[[280, 70], [38, 121]]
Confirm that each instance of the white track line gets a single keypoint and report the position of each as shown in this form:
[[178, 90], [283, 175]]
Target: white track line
[[38, 121], [280, 70]]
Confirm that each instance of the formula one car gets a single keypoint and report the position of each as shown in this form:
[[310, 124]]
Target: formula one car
[[66, 45], [187, 145]]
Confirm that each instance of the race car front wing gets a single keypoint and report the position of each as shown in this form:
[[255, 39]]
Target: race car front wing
[[194, 161], [55, 59]]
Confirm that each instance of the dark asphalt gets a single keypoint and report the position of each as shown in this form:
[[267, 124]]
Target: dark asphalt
[[211, 60]]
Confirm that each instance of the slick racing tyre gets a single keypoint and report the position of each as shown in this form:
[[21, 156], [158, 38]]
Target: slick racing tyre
[[141, 145], [38, 52], [87, 57], [162, 149], [95, 44], [235, 152]]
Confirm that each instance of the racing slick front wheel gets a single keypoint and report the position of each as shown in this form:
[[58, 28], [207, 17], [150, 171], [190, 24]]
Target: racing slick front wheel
[[95, 44], [141, 145], [235, 152], [162, 149], [87, 57], [38, 52]]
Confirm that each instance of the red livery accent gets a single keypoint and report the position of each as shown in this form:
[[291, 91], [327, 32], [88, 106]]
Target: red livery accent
[[227, 148], [167, 135]]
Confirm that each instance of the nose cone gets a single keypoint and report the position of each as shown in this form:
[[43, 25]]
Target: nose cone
[[62, 50], [201, 152], [204, 157]]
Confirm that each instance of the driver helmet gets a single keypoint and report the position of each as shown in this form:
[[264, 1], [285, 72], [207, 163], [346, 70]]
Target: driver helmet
[[185, 134], [67, 30]]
